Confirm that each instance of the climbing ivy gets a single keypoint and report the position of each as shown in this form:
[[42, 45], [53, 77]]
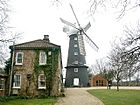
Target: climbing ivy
[[49, 69]]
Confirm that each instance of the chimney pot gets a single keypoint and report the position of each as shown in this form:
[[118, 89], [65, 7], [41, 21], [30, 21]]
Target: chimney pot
[[46, 37]]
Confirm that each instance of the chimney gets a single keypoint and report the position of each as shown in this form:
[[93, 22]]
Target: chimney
[[46, 37]]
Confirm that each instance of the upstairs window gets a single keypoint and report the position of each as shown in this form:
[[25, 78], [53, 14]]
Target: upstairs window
[[42, 58], [2, 84], [41, 81], [17, 81], [75, 53], [75, 45], [75, 69], [75, 38], [49, 53], [19, 58]]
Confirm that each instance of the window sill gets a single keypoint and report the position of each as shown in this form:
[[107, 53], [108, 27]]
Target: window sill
[[41, 87], [19, 64], [42, 64], [16, 87]]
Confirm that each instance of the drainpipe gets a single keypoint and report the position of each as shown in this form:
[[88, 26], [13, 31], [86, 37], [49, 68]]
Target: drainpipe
[[12, 67]]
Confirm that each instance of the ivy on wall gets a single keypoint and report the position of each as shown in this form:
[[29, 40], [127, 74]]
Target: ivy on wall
[[49, 69]]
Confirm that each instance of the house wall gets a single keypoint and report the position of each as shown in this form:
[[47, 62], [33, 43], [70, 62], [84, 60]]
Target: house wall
[[2, 91], [56, 89], [27, 85], [98, 81], [29, 81]]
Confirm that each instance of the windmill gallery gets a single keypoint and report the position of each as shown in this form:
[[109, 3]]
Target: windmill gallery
[[76, 69]]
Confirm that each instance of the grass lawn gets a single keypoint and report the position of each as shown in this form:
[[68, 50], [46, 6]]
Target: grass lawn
[[48, 101], [113, 97]]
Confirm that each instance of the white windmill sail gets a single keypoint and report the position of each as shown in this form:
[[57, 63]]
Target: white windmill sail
[[81, 45]]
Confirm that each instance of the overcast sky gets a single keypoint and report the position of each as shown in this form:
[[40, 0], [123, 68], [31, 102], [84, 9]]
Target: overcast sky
[[36, 18]]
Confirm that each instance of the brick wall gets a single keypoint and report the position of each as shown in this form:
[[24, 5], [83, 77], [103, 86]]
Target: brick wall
[[98, 81], [29, 84]]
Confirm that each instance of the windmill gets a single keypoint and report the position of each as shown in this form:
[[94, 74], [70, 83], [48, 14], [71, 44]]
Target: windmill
[[76, 69]]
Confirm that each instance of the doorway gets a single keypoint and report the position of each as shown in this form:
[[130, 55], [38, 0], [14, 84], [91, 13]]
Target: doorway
[[76, 81]]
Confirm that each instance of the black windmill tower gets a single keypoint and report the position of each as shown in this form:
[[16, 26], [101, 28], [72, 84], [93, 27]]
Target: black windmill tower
[[76, 69]]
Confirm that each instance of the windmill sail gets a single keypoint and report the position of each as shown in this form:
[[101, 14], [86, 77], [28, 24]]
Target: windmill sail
[[68, 23], [90, 42], [81, 45], [75, 15], [87, 27]]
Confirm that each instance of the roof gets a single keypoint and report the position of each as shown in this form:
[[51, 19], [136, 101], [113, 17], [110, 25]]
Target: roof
[[36, 44], [98, 75]]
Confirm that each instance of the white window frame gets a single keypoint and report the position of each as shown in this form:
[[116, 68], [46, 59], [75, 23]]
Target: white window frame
[[75, 38], [75, 70], [2, 83], [49, 53], [75, 53], [75, 45], [75, 62], [17, 57], [39, 82], [41, 54], [14, 82]]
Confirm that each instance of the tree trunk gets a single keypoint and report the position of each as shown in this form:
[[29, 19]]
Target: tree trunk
[[117, 85]]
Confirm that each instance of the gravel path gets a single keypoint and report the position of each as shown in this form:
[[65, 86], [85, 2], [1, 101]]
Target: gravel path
[[78, 96]]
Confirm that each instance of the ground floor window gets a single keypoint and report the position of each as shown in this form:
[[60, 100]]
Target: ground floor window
[[17, 81], [2, 83], [41, 81], [99, 82]]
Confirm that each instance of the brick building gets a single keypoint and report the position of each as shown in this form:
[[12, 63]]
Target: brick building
[[98, 80], [36, 68]]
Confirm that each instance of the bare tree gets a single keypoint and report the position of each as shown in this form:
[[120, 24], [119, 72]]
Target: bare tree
[[132, 54], [103, 68], [6, 36], [3, 28], [118, 66], [122, 6], [132, 40], [137, 78], [132, 64]]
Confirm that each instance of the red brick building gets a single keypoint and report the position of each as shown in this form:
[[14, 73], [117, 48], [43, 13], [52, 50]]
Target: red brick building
[[98, 80]]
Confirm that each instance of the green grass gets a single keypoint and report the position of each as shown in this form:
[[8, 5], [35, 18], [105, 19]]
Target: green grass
[[48, 101], [113, 97]]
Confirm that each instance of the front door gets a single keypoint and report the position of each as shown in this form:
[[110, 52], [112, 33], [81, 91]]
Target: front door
[[76, 81]]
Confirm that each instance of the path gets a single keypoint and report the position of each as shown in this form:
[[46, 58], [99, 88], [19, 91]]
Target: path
[[78, 96]]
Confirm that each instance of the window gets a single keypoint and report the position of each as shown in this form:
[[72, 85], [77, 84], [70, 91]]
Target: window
[[75, 38], [75, 45], [41, 82], [76, 62], [17, 81], [75, 53], [75, 69], [42, 58], [19, 58], [2, 84], [49, 53]]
